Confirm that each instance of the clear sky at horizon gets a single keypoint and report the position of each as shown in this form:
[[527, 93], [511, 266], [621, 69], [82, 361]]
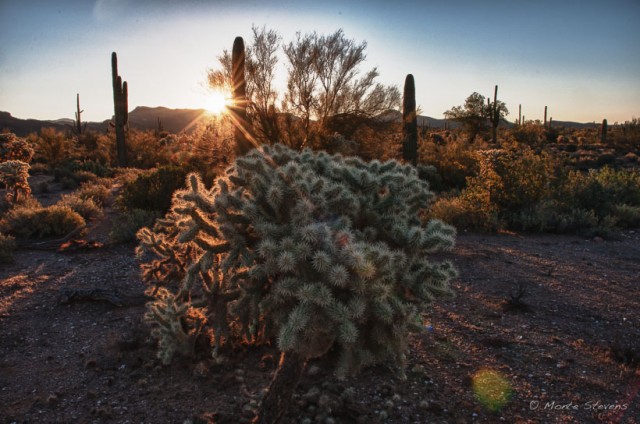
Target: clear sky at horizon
[[579, 58]]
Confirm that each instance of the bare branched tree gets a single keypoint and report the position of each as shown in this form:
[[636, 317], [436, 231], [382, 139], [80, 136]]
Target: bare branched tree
[[323, 82]]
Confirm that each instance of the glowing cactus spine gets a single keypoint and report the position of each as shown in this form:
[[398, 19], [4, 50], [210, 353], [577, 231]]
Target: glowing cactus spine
[[121, 108]]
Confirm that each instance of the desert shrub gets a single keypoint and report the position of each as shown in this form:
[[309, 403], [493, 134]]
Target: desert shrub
[[7, 246], [455, 160], [552, 215], [14, 175], [95, 147], [72, 173], [127, 223], [85, 206], [39, 222], [627, 215], [468, 211], [15, 148], [532, 134], [152, 190], [52, 147], [145, 150], [601, 190], [315, 250], [98, 191]]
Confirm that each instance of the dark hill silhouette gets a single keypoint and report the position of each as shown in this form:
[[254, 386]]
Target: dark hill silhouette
[[179, 120]]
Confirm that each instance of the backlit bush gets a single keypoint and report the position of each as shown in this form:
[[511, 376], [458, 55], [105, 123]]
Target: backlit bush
[[152, 190], [40, 222]]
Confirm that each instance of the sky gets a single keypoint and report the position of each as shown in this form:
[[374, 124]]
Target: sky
[[579, 58]]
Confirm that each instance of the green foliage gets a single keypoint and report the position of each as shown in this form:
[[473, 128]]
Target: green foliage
[[517, 188], [52, 147], [84, 206], [39, 222], [152, 191], [474, 114], [455, 160], [318, 251], [15, 148], [127, 223], [602, 190], [7, 246]]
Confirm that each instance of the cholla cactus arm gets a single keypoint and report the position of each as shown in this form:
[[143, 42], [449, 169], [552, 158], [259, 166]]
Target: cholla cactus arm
[[173, 333], [14, 174], [14, 148]]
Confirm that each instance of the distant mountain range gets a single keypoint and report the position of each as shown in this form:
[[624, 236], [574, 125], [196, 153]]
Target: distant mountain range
[[179, 120]]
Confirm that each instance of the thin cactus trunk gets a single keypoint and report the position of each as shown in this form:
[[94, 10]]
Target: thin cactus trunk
[[520, 114], [410, 121], [239, 110], [121, 110], [494, 116], [603, 131], [78, 124], [545, 116], [283, 385]]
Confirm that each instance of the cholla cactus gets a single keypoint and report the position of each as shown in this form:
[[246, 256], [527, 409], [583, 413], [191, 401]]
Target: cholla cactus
[[14, 175], [316, 250], [14, 148]]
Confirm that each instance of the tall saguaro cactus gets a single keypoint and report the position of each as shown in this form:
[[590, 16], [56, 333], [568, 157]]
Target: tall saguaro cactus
[[494, 115], [519, 114], [78, 124], [239, 109], [121, 110], [410, 122], [603, 131]]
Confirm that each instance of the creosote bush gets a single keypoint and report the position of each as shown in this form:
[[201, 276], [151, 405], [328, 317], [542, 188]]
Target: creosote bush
[[315, 250], [152, 190], [7, 246], [34, 221]]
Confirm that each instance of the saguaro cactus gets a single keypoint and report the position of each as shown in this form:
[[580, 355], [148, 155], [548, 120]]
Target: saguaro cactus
[[603, 131], [494, 115], [410, 121], [519, 114], [121, 110], [239, 109], [78, 125], [545, 116]]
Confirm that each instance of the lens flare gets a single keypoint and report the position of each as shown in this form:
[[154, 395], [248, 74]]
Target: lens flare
[[492, 389], [217, 102]]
